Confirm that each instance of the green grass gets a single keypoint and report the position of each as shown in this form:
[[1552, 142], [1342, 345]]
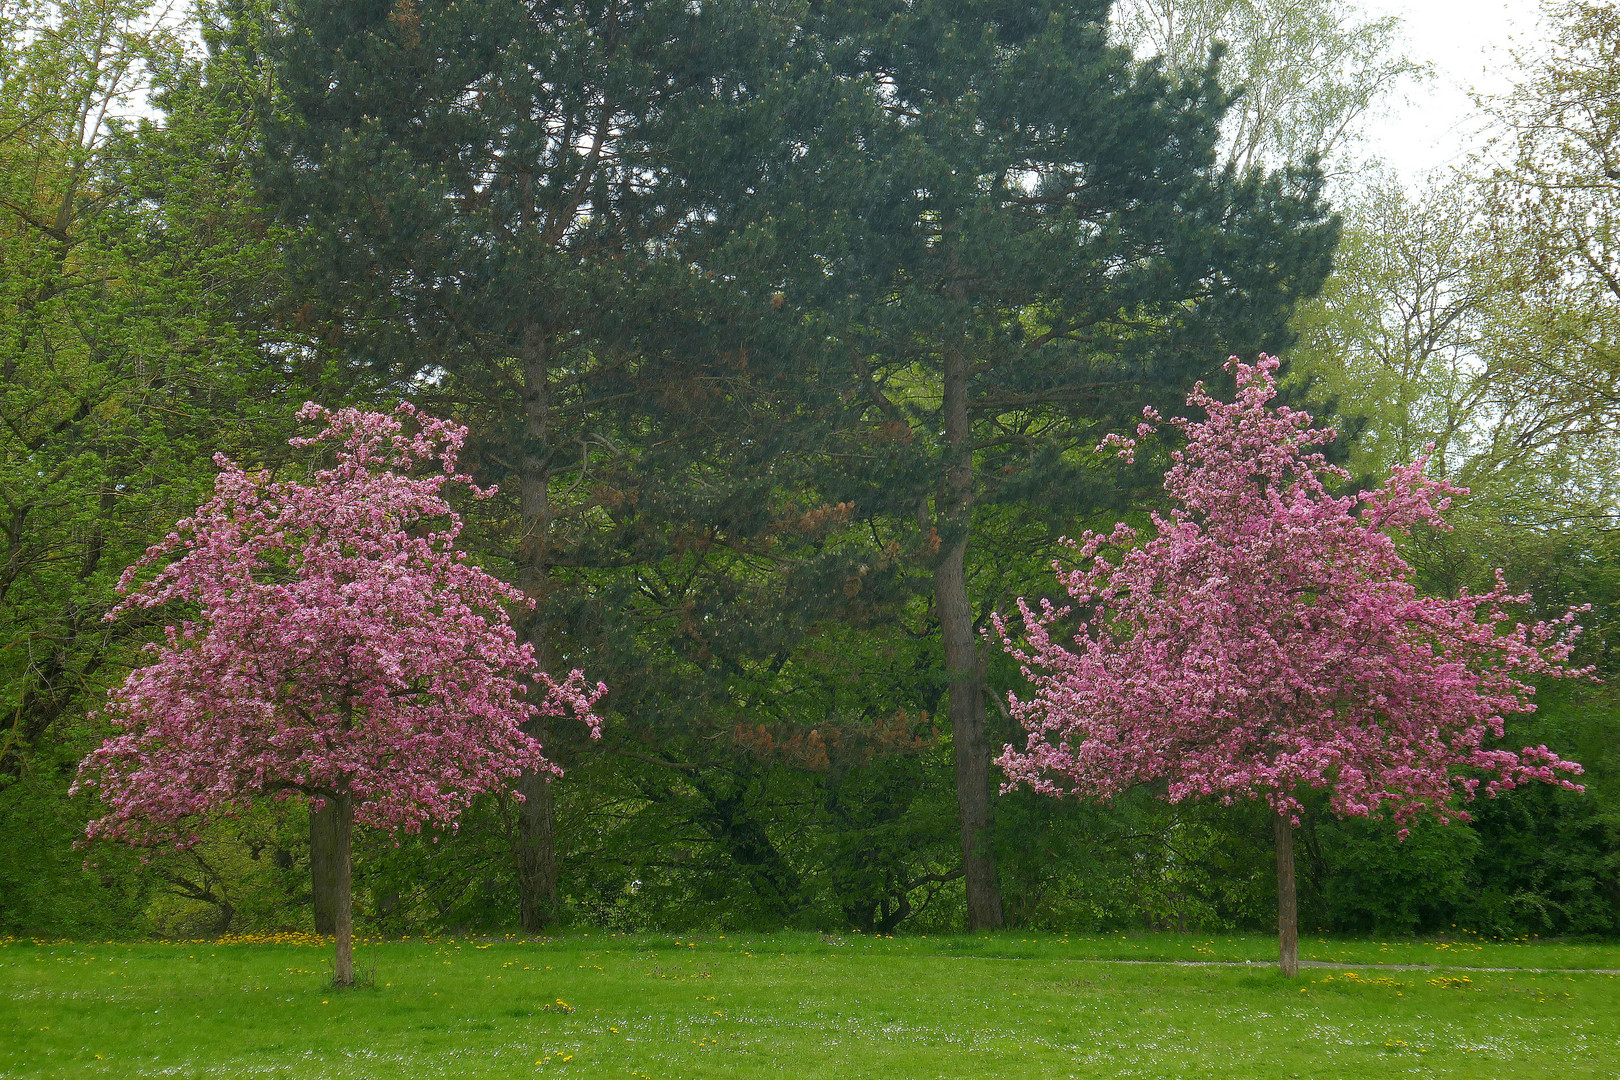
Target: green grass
[[1461, 949], [804, 1006]]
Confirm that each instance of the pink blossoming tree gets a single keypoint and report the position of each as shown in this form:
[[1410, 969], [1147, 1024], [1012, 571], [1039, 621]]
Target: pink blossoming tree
[[1268, 640], [341, 648]]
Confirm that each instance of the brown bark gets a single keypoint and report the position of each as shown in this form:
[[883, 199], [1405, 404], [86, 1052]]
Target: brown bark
[[323, 866], [537, 848], [1287, 900], [343, 825], [536, 832], [962, 659]]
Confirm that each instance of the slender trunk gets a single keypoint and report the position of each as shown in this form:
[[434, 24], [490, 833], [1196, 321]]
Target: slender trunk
[[343, 824], [1287, 901], [962, 659], [536, 839], [323, 866]]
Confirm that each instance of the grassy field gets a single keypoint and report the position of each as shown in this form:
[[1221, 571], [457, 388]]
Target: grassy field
[[807, 1006]]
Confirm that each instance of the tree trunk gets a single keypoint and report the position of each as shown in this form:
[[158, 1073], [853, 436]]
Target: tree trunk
[[962, 660], [1287, 900], [536, 839], [323, 866], [537, 847], [343, 824]]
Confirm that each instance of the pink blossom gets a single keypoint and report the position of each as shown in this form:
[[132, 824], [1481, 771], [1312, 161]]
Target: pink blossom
[[339, 645], [1268, 640]]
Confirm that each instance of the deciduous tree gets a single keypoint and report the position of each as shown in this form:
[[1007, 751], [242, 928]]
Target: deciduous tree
[[343, 649], [129, 274], [138, 285], [1267, 640], [1310, 73]]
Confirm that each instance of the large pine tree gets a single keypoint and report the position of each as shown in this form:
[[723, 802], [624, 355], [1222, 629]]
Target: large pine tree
[[669, 256], [1052, 246], [568, 220]]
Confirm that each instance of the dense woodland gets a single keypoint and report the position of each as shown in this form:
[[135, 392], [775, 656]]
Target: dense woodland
[[787, 331]]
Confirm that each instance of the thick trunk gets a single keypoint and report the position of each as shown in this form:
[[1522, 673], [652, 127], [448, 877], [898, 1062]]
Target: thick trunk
[[537, 848], [323, 866], [1287, 900], [969, 738], [962, 659], [536, 839], [343, 824]]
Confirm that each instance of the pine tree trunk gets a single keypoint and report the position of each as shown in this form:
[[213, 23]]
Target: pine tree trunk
[[962, 661], [536, 839], [1287, 900], [343, 824], [537, 847], [322, 866]]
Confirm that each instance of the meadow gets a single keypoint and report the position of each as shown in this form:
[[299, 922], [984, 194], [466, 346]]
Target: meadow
[[810, 1006]]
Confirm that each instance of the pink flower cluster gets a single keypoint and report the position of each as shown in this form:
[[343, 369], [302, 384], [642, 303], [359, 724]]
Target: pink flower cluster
[[341, 644], [1267, 639]]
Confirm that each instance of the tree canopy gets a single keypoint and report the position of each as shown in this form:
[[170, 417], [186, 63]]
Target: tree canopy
[[1268, 640], [782, 335]]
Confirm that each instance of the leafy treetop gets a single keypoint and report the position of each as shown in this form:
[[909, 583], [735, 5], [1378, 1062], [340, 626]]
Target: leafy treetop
[[1268, 639], [343, 646]]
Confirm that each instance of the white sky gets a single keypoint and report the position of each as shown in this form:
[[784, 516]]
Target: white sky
[[1470, 44]]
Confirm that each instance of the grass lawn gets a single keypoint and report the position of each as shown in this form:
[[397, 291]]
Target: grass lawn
[[805, 1006]]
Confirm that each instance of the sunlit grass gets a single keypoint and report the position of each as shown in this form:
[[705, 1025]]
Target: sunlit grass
[[805, 1006]]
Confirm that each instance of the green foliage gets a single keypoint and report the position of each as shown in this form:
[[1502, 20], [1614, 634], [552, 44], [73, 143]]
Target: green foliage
[[1311, 73], [747, 847], [461, 880], [135, 284], [1366, 880], [1546, 867], [244, 875], [1141, 863], [741, 308], [46, 888], [127, 260]]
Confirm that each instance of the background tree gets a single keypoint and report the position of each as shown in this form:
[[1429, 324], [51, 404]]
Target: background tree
[[137, 282], [1551, 258], [1049, 245], [568, 220], [1463, 312], [1396, 331], [343, 650], [1476, 314], [1479, 312], [1308, 75], [1267, 641]]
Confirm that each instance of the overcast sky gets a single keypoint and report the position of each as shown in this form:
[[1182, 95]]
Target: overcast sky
[[1470, 43]]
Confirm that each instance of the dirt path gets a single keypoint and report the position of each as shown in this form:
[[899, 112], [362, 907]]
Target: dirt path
[[1329, 964]]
